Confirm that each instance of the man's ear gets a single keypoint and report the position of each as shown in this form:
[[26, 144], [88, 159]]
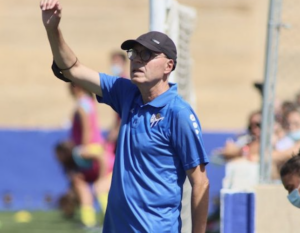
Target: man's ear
[[169, 66]]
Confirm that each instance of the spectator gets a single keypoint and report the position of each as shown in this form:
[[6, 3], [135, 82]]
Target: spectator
[[291, 124], [242, 155], [247, 144], [118, 64], [281, 141], [82, 157], [286, 107]]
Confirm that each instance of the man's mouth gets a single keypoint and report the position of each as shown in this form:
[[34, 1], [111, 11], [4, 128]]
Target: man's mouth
[[137, 71]]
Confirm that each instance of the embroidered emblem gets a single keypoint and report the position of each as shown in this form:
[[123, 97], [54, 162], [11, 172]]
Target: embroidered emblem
[[155, 118]]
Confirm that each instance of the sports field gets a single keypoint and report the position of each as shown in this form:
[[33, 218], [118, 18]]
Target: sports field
[[40, 222]]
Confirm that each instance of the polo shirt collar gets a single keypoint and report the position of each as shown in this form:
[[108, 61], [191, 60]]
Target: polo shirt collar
[[163, 99]]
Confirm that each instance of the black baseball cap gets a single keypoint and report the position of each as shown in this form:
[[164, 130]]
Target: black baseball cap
[[154, 41]]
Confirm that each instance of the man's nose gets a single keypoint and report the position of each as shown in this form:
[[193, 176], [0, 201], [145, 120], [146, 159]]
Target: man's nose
[[137, 59]]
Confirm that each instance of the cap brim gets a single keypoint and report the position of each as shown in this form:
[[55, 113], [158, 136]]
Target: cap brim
[[129, 44]]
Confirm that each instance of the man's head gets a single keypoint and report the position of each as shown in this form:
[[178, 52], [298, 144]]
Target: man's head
[[291, 123], [290, 176], [118, 62], [254, 124], [154, 41], [64, 154], [152, 55]]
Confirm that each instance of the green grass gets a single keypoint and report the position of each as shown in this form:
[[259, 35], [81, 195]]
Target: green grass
[[41, 222]]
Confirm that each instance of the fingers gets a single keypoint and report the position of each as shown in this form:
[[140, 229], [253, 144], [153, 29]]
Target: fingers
[[44, 4], [58, 6], [49, 5]]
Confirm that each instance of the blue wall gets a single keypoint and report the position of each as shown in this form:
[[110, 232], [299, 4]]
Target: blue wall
[[238, 214], [29, 171], [28, 168]]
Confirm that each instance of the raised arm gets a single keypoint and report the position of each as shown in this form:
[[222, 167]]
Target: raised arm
[[63, 56]]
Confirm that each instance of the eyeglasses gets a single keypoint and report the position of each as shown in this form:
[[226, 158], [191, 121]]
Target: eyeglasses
[[254, 124], [145, 55]]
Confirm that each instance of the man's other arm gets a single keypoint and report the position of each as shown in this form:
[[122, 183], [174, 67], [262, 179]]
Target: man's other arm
[[200, 197]]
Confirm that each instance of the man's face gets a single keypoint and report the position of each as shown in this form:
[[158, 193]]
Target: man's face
[[117, 60], [255, 124], [148, 72], [291, 182], [293, 121]]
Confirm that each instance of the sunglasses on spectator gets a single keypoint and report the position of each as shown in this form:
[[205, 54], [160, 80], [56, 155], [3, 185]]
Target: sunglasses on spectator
[[254, 124]]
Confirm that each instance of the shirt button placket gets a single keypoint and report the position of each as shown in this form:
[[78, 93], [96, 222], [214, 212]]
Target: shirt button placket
[[135, 118]]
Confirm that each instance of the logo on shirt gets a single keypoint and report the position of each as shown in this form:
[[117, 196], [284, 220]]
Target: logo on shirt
[[155, 118], [192, 117]]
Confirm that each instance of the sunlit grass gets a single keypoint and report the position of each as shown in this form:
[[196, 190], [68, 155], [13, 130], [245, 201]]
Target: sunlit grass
[[39, 222]]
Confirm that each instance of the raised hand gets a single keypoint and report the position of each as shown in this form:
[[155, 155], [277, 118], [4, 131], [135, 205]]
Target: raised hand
[[51, 13]]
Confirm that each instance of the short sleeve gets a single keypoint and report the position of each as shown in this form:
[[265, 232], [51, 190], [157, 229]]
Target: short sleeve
[[187, 139], [115, 91]]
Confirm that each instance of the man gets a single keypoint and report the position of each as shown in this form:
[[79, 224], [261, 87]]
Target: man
[[290, 177], [160, 140]]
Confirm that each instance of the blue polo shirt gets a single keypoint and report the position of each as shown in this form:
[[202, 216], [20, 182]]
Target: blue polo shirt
[[157, 143]]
